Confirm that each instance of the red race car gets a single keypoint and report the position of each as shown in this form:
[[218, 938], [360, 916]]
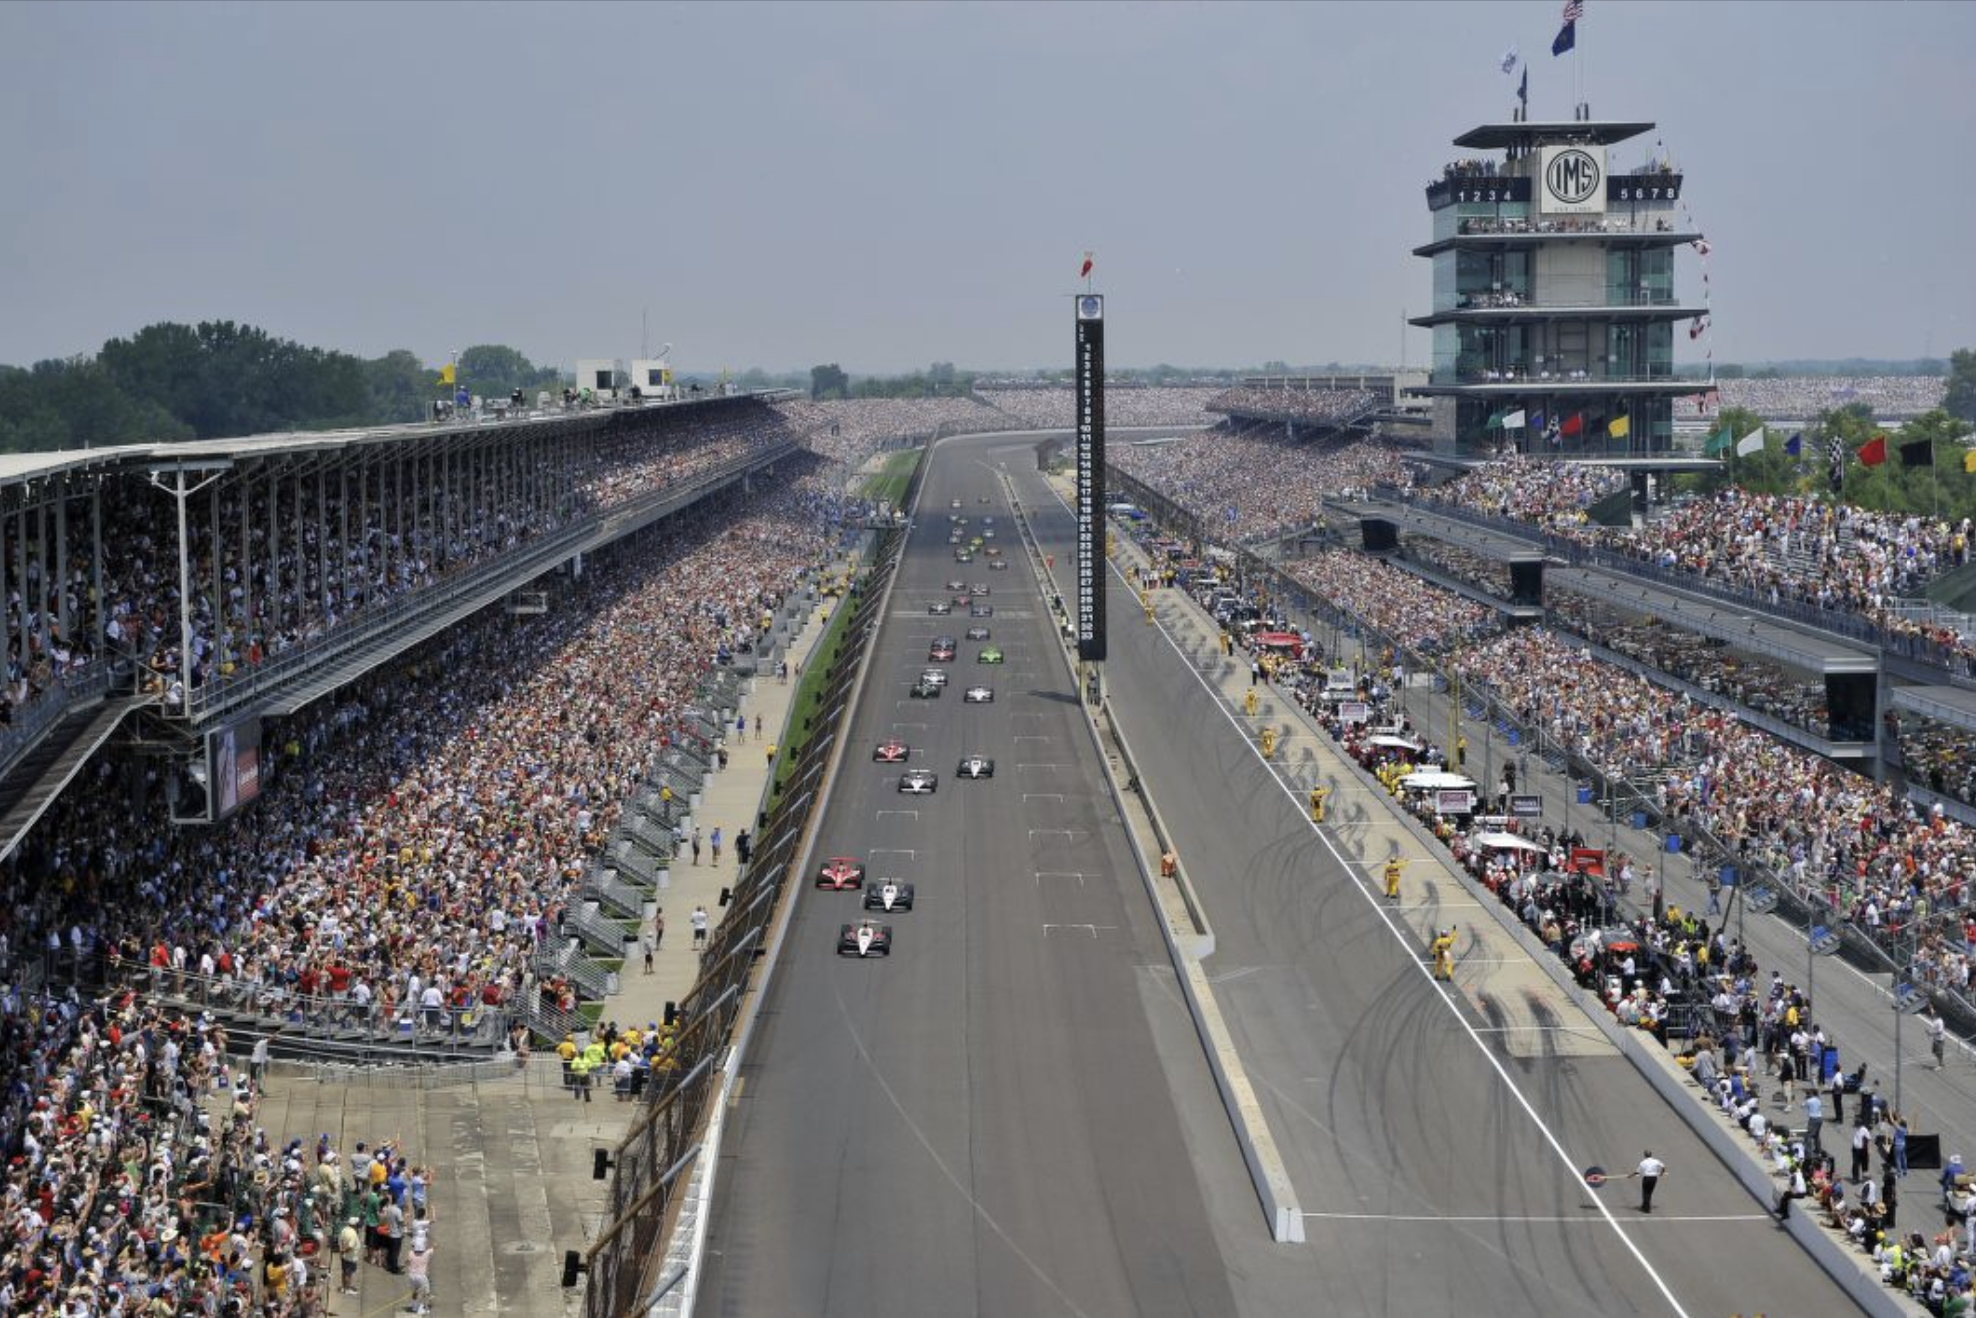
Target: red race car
[[891, 751], [840, 872]]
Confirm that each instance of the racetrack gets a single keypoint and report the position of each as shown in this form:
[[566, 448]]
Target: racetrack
[[1011, 1116], [980, 1124]]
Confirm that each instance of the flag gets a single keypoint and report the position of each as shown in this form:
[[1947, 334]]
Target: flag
[[1696, 326], [1567, 36], [1920, 453], [1084, 272], [1495, 421], [1969, 460], [1515, 420], [1572, 424], [1523, 92], [1795, 444], [1536, 420], [1750, 443], [1701, 246], [448, 374], [1620, 427], [1508, 62], [1718, 442], [1874, 451]]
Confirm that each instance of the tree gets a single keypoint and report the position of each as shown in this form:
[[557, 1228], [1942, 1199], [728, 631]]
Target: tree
[[401, 386], [494, 370], [1960, 400], [828, 381]]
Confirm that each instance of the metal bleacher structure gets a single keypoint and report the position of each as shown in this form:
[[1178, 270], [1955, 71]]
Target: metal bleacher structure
[[524, 471]]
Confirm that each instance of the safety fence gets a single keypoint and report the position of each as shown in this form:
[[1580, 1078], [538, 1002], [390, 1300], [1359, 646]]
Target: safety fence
[[653, 1161]]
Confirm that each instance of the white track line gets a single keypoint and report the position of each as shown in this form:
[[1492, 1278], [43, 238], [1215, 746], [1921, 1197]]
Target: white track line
[[1406, 939]]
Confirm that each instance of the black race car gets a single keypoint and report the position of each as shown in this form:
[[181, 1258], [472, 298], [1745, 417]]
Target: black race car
[[865, 938], [979, 695], [889, 895], [840, 872], [925, 690], [919, 782], [975, 766]]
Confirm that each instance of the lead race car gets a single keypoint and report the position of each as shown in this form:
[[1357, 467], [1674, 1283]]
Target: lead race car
[[891, 751], [889, 895], [979, 695], [865, 938], [841, 872], [975, 766]]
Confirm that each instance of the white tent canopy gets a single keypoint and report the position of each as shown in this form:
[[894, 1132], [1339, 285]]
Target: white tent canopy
[[1431, 780], [1506, 841]]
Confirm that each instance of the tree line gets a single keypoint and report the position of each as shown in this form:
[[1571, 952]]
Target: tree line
[[219, 379]]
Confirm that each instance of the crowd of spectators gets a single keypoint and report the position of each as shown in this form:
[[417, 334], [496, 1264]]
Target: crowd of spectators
[[1801, 397], [1126, 406], [849, 431], [1751, 680], [1849, 843], [1272, 483], [1554, 495], [272, 569], [417, 835], [1413, 612], [1939, 756], [1313, 407], [1488, 575]]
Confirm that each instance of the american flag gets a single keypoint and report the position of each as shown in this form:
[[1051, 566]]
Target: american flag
[[1574, 10]]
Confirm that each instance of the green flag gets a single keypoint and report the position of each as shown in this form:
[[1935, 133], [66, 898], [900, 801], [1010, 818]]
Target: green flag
[[1719, 443], [1495, 421]]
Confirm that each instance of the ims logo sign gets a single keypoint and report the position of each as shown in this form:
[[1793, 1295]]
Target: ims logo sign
[[1573, 176]]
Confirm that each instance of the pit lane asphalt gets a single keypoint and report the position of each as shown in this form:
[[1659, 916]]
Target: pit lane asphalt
[[985, 1122], [1430, 1187]]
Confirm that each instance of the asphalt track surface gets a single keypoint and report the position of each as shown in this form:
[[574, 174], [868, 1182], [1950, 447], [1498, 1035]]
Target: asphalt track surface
[[982, 1123], [1011, 1116]]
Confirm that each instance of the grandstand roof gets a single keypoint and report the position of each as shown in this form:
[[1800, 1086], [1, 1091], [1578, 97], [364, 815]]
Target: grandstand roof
[[18, 468], [1603, 132]]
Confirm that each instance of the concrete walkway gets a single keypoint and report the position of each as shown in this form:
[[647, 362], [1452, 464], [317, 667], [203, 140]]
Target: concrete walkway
[[510, 1148]]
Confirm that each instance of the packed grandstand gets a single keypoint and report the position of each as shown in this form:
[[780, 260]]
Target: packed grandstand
[[422, 830]]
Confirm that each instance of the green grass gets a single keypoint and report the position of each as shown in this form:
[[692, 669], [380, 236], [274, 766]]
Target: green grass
[[891, 481], [809, 694], [590, 1013]]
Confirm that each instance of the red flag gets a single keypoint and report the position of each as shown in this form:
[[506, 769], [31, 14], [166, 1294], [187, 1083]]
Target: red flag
[[1085, 272], [1874, 451], [1572, 424]]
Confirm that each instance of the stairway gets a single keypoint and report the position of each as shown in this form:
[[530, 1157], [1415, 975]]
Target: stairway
[[39, 776]]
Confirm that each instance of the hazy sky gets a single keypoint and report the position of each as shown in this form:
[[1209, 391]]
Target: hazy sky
[[890, 184]]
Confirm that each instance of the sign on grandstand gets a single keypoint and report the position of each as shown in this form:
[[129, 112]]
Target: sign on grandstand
[[1574, 180], [1090, 478]]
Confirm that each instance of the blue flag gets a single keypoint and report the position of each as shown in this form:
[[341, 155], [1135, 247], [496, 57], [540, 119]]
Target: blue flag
[[1795, 444], [1567, 38]]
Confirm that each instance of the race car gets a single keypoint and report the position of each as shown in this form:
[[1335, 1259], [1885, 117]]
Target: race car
[[925, 690], [889, 895], [840, 872], [865, 938], [991, 654], [977, 633], [975, 766], [960, 597], [891, 751], [939, 608], [980, 609], [919, 782], [993, 551], [987, 533], [937, 676], [962, 556], [957, 584], [979, 695], [980, 588], [942, 650], [988, 520], [984, 499], [998, 565], [954, 503]]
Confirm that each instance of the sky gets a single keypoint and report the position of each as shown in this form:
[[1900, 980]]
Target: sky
[[887, 185]]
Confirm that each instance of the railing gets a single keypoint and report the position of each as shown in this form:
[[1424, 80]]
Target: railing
[[34, 717], [1518, 300], [1528, 373], [219, 694], [339, 1019]]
